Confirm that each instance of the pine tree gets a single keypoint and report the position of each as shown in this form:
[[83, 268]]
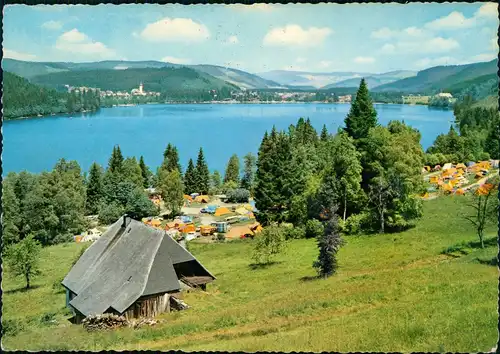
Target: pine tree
[[115, 164], [329, 243], [362, 116], [202, 174], [233, 170], [94, 189], [249, 168], [190, 178], [324, 133], [132, 172], [171, 159], [145, 172], [266, 194], [215, 183]]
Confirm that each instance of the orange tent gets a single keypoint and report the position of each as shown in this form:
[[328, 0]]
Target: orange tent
[[479, 175], [187, 228], [222, 211], [433, 179], [155, 222], [188, 198], [460, 191], [461, 166], [201, 199]]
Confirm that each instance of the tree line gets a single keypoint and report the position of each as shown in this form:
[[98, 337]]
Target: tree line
[[473, 137], [23, 99]]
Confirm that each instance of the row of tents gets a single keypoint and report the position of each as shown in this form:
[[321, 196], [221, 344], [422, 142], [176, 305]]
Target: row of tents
[[471, 166]]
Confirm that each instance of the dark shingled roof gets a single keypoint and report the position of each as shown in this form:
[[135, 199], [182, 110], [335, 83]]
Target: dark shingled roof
[[128, 261]]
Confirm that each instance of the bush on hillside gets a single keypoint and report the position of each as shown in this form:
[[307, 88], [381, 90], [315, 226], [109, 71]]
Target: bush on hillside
[[293, 232], [239, 195], [109, 213], [314, 228], [270, 242]]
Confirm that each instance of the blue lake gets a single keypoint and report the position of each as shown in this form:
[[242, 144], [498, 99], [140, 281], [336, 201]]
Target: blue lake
[[36, 144]]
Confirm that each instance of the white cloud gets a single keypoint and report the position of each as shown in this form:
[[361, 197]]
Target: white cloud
[[414, 32], [76, 42], [494, 43], [484, 57], [175, 30], [300, 60], [12, 54], [384, 33], [434, 45], [52, 25], [294, 35], [325, 64], [364, 60], [175, 60], [388, 49], [232, 40], [454, 20], [488, 10], [73, 36]]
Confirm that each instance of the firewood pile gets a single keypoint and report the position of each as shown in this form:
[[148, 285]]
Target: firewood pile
[[177, 304], [103, 322]]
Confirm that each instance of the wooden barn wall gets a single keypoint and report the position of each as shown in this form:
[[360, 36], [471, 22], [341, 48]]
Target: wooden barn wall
[[149, 306]]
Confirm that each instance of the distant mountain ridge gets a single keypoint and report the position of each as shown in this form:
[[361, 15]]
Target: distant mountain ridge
[[440, 78], [374, 80], [236, 77], [305, 78]]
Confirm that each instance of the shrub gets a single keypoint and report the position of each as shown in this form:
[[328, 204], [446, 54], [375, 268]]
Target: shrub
[[355, 223], [293, 232], [314, 228], [270, 242], [109, 213], [239, 195], [221, 237]]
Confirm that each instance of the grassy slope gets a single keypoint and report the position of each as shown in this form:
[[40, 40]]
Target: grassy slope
[[392, 293]]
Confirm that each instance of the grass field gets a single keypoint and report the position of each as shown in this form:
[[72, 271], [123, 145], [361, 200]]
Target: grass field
[[426, 289]]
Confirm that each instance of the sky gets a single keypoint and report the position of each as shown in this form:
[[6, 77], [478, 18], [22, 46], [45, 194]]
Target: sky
[[372, 38]]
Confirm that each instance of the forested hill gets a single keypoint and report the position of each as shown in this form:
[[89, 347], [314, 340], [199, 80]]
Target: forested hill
[[23, 99], [157, 80], [441, 78]]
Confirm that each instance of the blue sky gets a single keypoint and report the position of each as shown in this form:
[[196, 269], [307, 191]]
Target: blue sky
[[319, 38]]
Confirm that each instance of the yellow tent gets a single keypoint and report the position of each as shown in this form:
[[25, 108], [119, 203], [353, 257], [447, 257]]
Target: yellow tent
[[248, 207], [427, 168], [434, 179], [425, 196], [447, 186], [222, 211], [479, 175], [188, 197], [460, 166], [241, 211], [201, 199], [155, 222]]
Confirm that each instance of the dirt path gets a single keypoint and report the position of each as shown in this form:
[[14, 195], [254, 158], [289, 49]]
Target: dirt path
[[479, 182]]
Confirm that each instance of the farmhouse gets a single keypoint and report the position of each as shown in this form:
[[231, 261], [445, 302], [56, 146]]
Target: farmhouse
[[132, 270]]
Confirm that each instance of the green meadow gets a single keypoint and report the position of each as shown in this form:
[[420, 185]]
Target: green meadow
[[426, 289]]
